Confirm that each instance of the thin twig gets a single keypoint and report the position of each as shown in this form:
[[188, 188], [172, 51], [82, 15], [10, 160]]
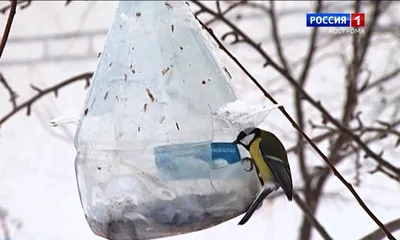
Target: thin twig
[[19, 3], [11, 92], [7, 28], [366, 40], [230, 8], [313, 221], [370, 140], [378, 234], [217, 2], [330, 133], [385, 172], [275, 34], [316, 139], [390, 76], [54, 89], [282, 109]]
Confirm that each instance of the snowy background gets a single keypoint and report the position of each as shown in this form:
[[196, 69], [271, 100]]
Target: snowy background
[[50, 43]]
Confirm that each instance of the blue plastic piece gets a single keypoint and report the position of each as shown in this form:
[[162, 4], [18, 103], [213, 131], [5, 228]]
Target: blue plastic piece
[[192, 160]]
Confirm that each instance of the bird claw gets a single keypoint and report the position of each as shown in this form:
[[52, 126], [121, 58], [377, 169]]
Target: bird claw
[[247, 159]]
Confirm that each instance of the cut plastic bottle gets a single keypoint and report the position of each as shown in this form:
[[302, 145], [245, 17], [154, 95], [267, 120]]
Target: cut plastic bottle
[[151, 159]]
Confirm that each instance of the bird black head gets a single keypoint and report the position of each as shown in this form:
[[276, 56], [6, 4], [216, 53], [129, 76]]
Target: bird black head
[[247, 136]]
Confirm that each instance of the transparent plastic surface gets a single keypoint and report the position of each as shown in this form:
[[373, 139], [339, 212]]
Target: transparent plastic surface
[[152, 161]]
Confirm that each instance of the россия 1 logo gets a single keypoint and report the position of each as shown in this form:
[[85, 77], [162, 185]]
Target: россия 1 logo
[[338, 22]]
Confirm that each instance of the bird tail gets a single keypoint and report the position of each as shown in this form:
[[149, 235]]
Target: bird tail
[[254, 206]]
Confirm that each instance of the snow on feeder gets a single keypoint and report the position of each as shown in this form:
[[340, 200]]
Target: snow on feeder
[[155, 157]]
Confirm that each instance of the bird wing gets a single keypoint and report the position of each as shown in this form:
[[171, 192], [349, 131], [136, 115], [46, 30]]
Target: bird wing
[[265, 191], [280, 169]]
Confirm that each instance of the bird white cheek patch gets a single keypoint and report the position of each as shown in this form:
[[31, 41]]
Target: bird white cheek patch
[[247, 140]]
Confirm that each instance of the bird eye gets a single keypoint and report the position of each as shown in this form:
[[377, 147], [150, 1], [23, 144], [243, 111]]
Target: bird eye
[[241, 135]]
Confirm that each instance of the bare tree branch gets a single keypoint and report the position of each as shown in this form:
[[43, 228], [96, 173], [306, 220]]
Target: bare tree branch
[[230, 8], [330, 133], [317, 104], [7, 28], [316, 139], [310, 216], [42, 92], [282, 109], [377, 136], [19, 2], [378, 234], [387, 77], [11, 92], [385, 172], [275, 34]]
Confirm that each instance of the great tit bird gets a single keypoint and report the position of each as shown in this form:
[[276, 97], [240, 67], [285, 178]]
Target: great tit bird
[[268, 156]]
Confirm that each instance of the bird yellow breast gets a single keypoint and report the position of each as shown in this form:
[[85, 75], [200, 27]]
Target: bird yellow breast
[[264, 171]]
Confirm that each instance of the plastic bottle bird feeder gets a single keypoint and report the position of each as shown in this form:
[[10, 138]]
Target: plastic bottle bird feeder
[[153, 160]]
